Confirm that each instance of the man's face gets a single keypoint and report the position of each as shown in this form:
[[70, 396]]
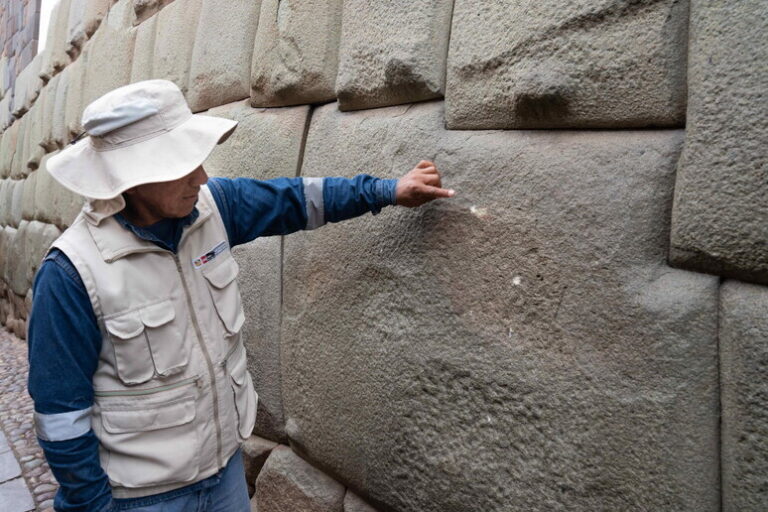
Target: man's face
[[152, 202]]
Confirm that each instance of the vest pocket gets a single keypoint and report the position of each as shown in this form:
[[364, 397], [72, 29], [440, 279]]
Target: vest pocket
[[246, 399], [226, 294], [150, 444], [147, 341]]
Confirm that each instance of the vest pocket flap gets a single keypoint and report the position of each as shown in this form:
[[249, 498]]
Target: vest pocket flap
[[125, 326], [158, 314], [146, 419], [223, 274], [237, 367]]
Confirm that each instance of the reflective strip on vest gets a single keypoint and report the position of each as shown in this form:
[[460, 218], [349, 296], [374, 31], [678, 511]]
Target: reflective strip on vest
[[63, 426], [313, 197]]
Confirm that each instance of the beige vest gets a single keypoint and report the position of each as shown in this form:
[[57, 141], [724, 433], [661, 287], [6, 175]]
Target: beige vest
[[173, 396]]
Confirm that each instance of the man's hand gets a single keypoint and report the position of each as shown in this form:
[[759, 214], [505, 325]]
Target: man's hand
[[421, 185]]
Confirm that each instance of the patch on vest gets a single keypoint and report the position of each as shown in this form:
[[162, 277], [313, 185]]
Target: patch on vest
[[210, 255]]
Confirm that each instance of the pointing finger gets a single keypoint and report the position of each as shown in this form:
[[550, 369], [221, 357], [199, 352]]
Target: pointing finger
[[437, 191]]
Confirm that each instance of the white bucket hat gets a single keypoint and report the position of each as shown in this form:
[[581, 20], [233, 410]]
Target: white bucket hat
[[140, 133]]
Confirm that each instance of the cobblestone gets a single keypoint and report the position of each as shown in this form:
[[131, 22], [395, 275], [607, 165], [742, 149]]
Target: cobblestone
[[17, 424]]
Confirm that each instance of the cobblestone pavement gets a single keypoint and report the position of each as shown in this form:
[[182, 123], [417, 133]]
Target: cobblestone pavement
[[26, 482]]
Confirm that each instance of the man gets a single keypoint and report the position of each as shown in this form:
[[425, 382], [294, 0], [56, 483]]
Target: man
[[137, 369]]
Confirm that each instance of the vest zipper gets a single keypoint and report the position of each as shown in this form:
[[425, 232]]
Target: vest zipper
[[209, 363], [149, 391]]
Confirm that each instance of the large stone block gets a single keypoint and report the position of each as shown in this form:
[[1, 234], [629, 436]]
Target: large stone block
[[354, 503], [54, 204], [6, 199], [392, 52], [27, 87], [30, 245], [59, 129], [287, 482], [55, 57], [75, 100], [221, 60], [581, 64], [47, 103], [743, 366], [266, 144], [84, 18], [28, 197], [8, 146], [19, 163], [256, 450], [143, 50], [5, 76], [522, 346], [174, 40], [109, 53], [7, 252], [5, 111], [17, 202], [295, 58], [145, 9], [35, 128], [719, 217]]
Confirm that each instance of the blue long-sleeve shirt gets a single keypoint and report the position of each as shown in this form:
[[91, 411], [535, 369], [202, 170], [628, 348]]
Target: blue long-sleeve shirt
[[65, 342]]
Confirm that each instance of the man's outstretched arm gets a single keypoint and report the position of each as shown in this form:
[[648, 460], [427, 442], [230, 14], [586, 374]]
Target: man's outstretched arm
[[252, 208]]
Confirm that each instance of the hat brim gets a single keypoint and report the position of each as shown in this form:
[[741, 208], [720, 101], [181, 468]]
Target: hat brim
[[105, 174]]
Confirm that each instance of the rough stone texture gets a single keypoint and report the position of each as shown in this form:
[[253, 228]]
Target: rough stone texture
[[296, 52], [287, 482], [266, 144], [255, 452], [28, 197], [16, 496], [221, 60], [354, 503], [27, 88], [143, 50], [35, 126], [743, 367], [29, 247], [550, 64], [54, 204], [7, 149], [19, 163], [719, 218], [75, 93], [16, 196], [8, 237], [55, 57], [531, 316], [84, 18], [176, 29], [392, 52], [6, 199], [5, 76], [59, 130], [5, 111], [145, 9], [47, 103], [109, 53]]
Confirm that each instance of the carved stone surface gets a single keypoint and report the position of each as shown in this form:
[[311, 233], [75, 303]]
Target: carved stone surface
[[144, 50], [174, 40], [287, 482], [719, 217], [256, 450], [392, 52], [55, 57], [354, 503], [266, 144], [552, 64], [109, 53], [84, 18], [743, 366], [221, 61], [532, 315], [295, 58]]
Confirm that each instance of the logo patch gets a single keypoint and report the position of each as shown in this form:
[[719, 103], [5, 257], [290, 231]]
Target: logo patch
[[210, 255]]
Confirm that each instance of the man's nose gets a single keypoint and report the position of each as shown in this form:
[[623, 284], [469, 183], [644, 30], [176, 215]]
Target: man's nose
[[199, 177]]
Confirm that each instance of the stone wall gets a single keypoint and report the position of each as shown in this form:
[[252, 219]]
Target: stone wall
[[19, 34], [558, 336]]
